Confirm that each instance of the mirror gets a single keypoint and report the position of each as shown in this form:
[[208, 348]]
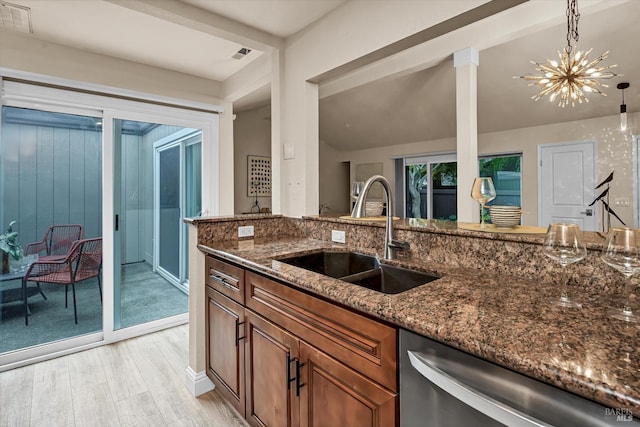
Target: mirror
[[414, 114]]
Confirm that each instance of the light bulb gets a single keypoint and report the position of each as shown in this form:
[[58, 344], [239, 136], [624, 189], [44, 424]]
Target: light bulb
[[623, 120]]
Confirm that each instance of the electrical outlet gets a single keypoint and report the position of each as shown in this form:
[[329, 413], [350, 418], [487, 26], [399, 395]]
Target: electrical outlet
[[337, 236], [245, 231], [622, 201]]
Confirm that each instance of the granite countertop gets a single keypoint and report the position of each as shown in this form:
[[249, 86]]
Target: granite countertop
[[507, 320]]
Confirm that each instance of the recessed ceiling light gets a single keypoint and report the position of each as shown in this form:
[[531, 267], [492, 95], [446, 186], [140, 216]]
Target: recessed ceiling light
[[15, 17]]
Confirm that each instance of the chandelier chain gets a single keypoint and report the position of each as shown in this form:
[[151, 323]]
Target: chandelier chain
[[573, 16]]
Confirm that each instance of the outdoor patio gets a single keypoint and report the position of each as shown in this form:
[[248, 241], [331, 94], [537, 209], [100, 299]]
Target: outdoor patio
[[145, 296]]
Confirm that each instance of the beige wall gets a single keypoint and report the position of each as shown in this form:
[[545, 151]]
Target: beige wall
[[346, 34], [252, 136], [28, 54], [36, 56], [335, 181], [614, 152]]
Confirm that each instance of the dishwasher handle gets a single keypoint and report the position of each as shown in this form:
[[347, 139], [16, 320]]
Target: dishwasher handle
[[428, 368]]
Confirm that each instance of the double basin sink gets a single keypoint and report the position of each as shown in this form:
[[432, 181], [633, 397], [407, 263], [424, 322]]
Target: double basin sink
[[362, 270]]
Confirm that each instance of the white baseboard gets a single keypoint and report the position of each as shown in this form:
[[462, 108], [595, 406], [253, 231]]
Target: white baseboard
[[197, 382]]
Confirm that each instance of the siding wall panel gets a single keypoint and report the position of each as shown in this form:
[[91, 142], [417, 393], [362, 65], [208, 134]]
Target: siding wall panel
[[61, 175], [27, 165], [50, 176]]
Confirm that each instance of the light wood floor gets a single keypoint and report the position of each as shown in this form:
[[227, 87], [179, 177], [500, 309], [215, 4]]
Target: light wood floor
[[138, 382]]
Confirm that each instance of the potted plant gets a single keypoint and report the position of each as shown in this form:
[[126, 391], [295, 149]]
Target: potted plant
[[9, 245]]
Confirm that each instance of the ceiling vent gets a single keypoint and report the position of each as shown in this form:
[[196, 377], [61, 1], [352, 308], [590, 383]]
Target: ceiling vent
[[241, 53], [15, 17]]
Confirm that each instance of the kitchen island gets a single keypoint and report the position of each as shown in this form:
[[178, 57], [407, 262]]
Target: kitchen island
[[492, 300]]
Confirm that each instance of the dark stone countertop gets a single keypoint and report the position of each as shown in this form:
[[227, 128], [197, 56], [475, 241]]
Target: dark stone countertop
[[506, 320]]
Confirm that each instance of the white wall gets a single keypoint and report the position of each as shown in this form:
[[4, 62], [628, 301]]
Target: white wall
[[252, 137], [614, 152]]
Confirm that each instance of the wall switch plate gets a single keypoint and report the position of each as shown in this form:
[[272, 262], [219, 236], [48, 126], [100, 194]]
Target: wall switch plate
[[245, 231], [289, 151], [338, 236]]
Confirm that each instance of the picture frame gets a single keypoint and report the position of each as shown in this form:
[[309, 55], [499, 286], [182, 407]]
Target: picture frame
[[258, 176]]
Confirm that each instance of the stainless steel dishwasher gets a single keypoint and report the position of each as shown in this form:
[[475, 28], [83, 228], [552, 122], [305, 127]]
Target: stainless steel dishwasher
[[442, 386]]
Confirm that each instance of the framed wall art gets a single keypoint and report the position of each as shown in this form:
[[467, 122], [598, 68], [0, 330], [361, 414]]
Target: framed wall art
[[258, 176]]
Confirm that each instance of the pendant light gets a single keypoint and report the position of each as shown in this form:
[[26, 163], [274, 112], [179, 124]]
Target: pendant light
[[570, 78], [623, 106]]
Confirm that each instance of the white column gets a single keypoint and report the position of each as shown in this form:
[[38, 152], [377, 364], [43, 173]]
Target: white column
[[277, 59], [466, 63], [196, 379]]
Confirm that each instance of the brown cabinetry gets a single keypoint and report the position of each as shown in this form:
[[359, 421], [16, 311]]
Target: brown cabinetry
[[287, 358], [272, 354], [334, 395], [225, 351]]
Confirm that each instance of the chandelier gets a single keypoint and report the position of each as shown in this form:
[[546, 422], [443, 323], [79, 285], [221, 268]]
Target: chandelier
[[574, 75]]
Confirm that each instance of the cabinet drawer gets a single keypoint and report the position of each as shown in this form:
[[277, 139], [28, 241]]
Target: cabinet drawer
[[225, 278], [357, 341]]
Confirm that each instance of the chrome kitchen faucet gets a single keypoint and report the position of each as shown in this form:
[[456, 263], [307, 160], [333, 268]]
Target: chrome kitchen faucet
[[391, 246]]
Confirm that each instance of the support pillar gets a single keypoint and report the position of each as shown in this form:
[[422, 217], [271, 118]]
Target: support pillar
[[466, 63]]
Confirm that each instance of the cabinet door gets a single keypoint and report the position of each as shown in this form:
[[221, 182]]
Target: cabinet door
[[334, 395], [270, 367], [353, 339], [225, 350]]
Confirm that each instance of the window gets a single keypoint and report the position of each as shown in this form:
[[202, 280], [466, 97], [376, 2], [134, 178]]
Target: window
[[430, 184]]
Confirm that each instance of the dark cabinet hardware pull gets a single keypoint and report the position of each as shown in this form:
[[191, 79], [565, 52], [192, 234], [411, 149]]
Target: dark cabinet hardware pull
[[289, 379], [223, 282], [299, 385], [238, 337]]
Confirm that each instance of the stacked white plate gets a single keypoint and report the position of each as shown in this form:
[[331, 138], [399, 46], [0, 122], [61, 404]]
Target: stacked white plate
[[505, 216]]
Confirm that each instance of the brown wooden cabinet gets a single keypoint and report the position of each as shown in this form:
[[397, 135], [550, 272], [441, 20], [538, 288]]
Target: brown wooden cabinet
[[271, 357], [335, 395], [287, 358], [225, 351]]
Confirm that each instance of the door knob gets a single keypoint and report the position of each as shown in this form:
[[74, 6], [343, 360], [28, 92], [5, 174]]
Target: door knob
[[588, 212]]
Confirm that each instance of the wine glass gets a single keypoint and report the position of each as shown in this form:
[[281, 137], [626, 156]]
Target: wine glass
[[622, 252], [563, 243], [356, 189], [483, 192]]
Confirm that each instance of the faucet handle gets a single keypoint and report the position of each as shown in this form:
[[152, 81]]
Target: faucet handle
[[399, 245]]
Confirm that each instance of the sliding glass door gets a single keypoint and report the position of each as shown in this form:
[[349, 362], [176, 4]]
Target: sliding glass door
[[149, 205], [431, 187], [178, 190], [123, 171], [431, 184], [50, 177]]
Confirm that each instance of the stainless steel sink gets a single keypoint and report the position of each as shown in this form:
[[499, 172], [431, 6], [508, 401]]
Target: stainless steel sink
[[334, 263], [390, 279], [362, 270]]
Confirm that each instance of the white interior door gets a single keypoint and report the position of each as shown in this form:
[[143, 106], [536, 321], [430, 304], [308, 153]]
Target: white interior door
[[566, 181]]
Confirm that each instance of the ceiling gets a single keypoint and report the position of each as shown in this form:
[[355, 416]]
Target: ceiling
[[146, 32], [282, 18], [421, 106], [415, 107]]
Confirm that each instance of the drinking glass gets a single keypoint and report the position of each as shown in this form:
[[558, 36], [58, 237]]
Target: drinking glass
[[356, 189], [563, 243], [483, 192], [622, 252]]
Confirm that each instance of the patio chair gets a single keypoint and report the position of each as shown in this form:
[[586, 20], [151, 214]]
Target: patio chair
[[56, 241], [82, 262]]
